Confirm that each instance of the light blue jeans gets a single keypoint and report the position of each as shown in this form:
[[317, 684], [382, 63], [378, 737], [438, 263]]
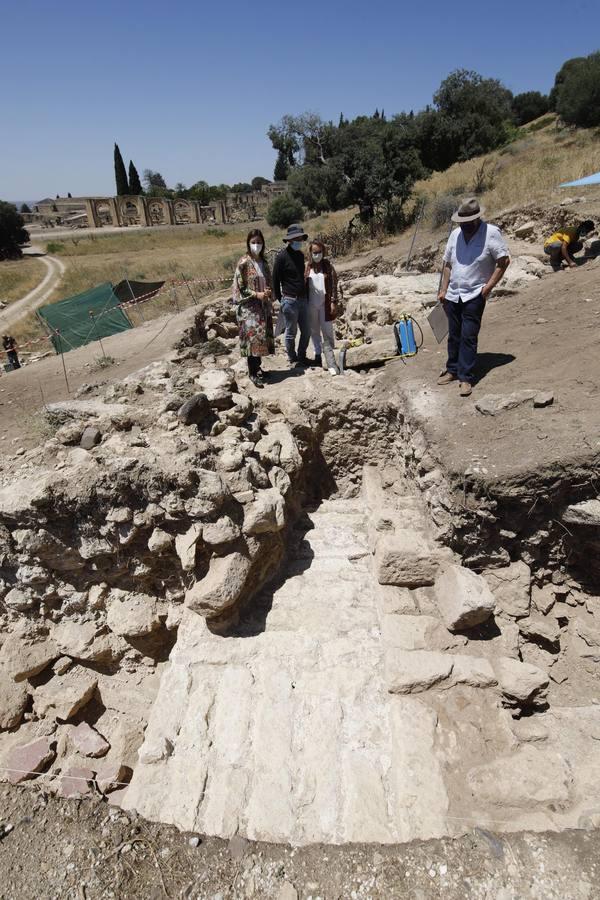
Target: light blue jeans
[[295, 313]]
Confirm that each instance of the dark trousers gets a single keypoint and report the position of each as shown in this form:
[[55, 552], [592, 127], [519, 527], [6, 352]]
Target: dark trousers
[[464, 322], [13, 359], [254, 365]]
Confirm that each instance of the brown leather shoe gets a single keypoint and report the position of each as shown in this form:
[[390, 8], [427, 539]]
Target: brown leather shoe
[[446, 378], [465, 389]]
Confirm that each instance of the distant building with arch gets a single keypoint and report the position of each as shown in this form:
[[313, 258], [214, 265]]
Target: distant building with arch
[[141, 210]]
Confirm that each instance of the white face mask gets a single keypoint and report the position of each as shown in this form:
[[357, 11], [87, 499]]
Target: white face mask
[[296, 245], [317, 257], [255, 248]]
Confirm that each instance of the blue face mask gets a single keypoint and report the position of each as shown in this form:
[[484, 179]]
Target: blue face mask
[[296, 245]]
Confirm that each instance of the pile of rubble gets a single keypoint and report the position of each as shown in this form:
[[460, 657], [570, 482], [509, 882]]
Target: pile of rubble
[[172, 491]]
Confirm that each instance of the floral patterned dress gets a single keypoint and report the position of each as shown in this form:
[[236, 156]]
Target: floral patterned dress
[[254, 316]]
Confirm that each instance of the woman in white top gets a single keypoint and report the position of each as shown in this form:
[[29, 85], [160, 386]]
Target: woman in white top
[[322, 290]]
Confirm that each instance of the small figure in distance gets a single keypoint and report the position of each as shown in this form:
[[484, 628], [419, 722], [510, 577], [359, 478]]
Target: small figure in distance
[[475, 260], [10, 345], [252, 293], [322, 290], [565, 242], [289, 288]]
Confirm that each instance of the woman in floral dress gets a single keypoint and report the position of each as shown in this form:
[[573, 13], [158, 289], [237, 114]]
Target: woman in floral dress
[[252, 295]]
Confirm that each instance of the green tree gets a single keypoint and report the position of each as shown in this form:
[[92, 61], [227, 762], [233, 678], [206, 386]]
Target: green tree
[[567, 68], [154, 179], [529, 106], [200, 191], [284, 211], [578, 97], [12, 231], [475, 113], [25, 208], [120, 173], [242, 187], [319, 188], [281, 170], [135, 185], [259, 182]]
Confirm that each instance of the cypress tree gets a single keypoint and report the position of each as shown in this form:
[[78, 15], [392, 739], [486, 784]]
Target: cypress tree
[[135, 185], [120, 173], [281, 167]]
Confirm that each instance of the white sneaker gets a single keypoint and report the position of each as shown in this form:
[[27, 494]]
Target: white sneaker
[[332, 371]]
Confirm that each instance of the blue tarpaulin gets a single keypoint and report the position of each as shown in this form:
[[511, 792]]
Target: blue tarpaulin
[[591, 179]]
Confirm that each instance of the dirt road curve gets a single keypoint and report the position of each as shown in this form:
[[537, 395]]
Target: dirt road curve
[[38, 295]]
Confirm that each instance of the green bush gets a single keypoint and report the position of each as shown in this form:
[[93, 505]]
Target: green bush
[[541, 123], [443, 207], [529, 106], [284, 211], [216, 232], [55, 247]]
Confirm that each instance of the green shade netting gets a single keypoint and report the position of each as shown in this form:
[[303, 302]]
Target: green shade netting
[[71, 318]]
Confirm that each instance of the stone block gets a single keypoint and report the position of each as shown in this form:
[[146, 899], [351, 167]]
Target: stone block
[[528, 778], [13, 700], [266, 514], [540, 627], [112, 777], [24, 657], [520, 682], [222, 587], [131, 615], [27, 760], [160, 541], [405, 559], [185, 546], [585, 513], [88, 742], [76, 781], [90, 438], [464, 598], [413, 671], [474, 671], [511, 587], [65, 695], [223, 531], [195, 410]]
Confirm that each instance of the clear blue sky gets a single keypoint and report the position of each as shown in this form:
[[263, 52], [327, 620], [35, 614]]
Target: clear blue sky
[[189, 88]]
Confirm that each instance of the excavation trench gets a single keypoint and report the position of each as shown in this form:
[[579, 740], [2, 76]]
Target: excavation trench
[[337, 699], [337, 706]]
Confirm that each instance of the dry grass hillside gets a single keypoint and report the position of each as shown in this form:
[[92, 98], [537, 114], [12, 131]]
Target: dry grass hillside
[[528, 170], [19, 276]]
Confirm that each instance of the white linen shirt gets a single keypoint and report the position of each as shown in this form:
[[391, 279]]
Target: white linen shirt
[[472, 262]]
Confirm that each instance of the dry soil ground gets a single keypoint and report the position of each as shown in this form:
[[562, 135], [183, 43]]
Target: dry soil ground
[[81, 850], [547, 338]]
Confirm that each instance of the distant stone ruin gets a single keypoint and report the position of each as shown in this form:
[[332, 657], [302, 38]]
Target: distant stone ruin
[[134, 210]]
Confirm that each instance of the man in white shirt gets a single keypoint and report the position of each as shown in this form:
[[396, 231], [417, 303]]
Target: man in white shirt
[[475, 260]]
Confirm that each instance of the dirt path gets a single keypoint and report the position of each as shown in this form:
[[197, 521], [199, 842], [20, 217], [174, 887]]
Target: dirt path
[[24, 392], [35, 298]]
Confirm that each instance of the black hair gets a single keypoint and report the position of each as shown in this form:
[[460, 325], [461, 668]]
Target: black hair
[[256, 233], [586, 226]]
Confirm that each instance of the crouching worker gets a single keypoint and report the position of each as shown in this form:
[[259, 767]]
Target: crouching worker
[[475, 260], [565, 242], [254, 313], [322, 290]]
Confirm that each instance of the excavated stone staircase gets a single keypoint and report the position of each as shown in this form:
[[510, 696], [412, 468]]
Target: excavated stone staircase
[[339, 709], [285, 731]]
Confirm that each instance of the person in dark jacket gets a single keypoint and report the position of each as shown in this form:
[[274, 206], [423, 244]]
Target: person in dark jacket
[[289, 288], [10, 345]]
